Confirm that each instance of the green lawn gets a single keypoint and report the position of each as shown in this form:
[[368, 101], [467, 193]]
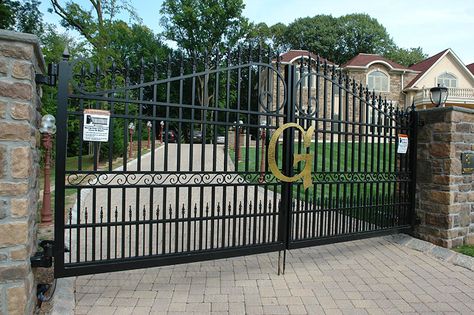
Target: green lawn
[[466, 250], [336, 159], [340, 158]]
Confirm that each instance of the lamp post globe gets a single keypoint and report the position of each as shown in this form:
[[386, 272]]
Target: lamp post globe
[[438, 95]]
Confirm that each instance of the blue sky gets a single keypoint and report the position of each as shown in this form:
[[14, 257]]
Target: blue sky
[[432, 24]]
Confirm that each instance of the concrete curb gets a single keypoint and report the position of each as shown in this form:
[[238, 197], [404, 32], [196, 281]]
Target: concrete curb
[[64, 300], [430, 249]]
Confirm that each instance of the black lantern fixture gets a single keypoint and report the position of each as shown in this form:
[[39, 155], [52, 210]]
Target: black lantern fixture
[[438, 95]]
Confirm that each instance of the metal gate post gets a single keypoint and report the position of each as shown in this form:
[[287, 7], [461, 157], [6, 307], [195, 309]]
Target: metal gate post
[[287, 161], [64, 74]]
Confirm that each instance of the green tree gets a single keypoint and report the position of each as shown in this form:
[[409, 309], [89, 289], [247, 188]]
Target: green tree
[[406, 56], [8, 10], [277, 32], [135, 42], [22, 17], [319, 34], [203, 25], [30, 18], [360, 33], [94, 23]]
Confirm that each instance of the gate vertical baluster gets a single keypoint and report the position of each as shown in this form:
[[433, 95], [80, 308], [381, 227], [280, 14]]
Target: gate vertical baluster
[[323, 220], [384, 166], [191, 158], [215, 116], [379, 185], [166, 149], [203, 123], [139, 160], [316, 208], [390, 171], [353, 166], [359, 154], [96, 155], [113, 85], [398, 183], [246, 163], [366, 156], [237, 221], [338, 224], [178, 140], [347, 206], [152, 160], [256, 217], [330, 227], [226, 150], [125, 153]]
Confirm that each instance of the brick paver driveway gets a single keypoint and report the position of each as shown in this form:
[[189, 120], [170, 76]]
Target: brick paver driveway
[[373, 276]]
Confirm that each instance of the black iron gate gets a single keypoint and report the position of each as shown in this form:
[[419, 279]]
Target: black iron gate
[[195, 151]]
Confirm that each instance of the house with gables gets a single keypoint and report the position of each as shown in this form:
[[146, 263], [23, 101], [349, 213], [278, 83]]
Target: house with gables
[[401, 85]]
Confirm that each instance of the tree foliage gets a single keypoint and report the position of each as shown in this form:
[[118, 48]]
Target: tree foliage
[[360, 33], [319, 34], [22, 16], [406, 57], [203, 25], [94, 23]]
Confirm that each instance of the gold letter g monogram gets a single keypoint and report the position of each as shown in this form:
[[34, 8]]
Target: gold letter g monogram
[[306, 172]]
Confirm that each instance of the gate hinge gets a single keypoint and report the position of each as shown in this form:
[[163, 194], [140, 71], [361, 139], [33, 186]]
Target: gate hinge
[[43, 258], [50, 78]]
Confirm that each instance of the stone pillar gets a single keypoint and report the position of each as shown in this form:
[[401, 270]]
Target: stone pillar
[[445, 196], [20, 59]]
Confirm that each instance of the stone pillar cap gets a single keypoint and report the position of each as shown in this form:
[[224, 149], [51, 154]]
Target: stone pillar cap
[[28, 39]]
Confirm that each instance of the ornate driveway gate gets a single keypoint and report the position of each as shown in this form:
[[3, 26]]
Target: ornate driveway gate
[[219, 157]]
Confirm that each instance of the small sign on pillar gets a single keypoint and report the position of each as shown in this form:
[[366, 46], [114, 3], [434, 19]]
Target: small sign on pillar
[[467, 161], [402, 147]]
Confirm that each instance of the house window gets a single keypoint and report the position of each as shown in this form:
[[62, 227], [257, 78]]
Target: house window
[[448, 80], [378, 81]]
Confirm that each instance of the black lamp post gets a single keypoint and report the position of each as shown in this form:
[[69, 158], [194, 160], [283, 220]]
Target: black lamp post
[[438, 95]]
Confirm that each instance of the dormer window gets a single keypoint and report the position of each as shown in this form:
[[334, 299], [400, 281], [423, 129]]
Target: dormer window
[[378, 81], [447, 80]]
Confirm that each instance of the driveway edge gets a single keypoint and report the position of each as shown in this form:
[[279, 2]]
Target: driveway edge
[[430, 249]]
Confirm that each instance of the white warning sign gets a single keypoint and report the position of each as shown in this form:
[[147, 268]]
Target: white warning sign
[[96, 125], [402, 144]]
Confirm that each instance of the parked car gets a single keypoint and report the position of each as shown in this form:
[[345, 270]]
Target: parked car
[[171, 138], [220, 140], [197, 136]]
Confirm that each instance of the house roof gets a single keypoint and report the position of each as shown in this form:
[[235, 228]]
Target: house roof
[[471, 67], [424, 65], [365, 60], [294, 54]]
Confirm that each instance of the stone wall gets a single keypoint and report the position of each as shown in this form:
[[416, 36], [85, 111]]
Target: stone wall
[[445, 196], [20, 59]]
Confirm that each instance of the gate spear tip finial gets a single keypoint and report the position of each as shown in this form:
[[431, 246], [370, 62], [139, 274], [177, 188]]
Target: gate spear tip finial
[[66, 54]]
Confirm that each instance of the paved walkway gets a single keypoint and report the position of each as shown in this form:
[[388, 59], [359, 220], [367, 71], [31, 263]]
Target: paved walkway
[[372, 276]]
